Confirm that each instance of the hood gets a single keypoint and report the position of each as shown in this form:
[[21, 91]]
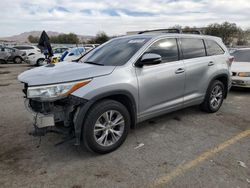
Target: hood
[[63, 72], [240, 67]]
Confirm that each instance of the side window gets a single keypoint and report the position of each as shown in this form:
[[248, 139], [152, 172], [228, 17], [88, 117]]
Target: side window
[[192, 48], [213, 48], [166, 48], [18, 47]]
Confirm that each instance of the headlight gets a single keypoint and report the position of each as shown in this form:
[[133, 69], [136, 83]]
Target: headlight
[[55, 91], [244, 74]]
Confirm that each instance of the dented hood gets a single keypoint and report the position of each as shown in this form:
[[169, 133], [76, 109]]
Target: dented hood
[[63, 72]]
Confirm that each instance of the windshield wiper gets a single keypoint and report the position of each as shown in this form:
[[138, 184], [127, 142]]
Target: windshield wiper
[[93, 63]]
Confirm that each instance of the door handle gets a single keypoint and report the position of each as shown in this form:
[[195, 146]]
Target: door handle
[[211, 63], [179, 71]]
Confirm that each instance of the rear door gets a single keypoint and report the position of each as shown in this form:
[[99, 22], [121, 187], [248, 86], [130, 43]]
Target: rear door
[[161, 86], [199, 68]]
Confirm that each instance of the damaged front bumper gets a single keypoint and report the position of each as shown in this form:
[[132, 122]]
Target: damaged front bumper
[[60, 116]]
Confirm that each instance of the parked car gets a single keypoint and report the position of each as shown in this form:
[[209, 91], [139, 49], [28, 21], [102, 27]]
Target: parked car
[[90, 46], [126, 81], [241, 68], [73, 54], [36, 59], [28, 49], [10, 54], [58, 51]]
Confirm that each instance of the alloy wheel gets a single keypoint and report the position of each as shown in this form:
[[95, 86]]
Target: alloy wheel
[[109, 128], [216, 97]]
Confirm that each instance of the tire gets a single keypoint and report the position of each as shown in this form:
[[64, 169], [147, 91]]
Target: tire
[[39, 62], [2, 61], [17, 60], [108, 136], [214, 97]]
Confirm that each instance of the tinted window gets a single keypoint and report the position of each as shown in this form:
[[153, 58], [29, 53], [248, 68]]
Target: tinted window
[[116, 52], [192, 48], [241, 55], [213, 48], [24, 47], [166, 48]]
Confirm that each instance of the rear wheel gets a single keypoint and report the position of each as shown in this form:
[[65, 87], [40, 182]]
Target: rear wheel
[[214, 97], [18, 60], [106, 126]]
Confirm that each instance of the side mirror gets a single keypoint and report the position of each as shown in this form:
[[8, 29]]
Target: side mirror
[[149, 59], [71, 54]]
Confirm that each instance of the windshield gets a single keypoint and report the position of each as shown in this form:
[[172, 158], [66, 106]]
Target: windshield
[[241, 55], [116, 52]]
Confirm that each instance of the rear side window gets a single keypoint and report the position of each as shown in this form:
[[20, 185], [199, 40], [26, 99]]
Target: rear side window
[[166, 48], [192, 48], [213, 48]]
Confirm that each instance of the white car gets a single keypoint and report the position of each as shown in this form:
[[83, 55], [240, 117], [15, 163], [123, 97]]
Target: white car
[[36, 59], [241, 68], [73, 54], [28, 49]]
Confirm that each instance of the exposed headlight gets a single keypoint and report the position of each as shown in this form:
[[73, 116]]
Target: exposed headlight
[[244, 74], [55, 91]]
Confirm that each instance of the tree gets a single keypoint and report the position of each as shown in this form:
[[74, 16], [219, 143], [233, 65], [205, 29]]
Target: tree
[[33, 39], [227, 31], [70, 38], [242, 37], [100, 38]]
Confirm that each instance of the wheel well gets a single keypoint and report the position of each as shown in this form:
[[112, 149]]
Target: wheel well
[[224, 80], [127, 102]]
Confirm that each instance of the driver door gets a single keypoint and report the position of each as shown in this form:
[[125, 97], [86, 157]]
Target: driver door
[[161, 86]]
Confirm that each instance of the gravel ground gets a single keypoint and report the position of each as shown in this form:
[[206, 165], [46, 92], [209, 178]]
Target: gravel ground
[[170, 142]]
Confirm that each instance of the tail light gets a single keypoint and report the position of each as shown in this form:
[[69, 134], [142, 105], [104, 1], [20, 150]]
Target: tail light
[[230, 60]]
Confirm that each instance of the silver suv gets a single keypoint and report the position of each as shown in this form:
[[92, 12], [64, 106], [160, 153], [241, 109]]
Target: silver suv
[[125, 81]]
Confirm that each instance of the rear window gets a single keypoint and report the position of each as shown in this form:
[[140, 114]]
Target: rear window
[[241, 55], [213, 48], [192, 48]]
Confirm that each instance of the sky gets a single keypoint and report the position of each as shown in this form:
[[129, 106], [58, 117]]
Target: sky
[[115, 17]]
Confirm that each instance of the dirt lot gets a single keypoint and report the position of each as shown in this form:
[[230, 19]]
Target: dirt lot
[[187, 148]]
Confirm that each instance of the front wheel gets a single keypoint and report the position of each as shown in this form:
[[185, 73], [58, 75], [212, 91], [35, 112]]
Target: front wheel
[[106, 126], [214, 97], [2, 61]]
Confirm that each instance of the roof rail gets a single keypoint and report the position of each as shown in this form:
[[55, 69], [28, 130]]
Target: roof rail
[[161, 31], [187, 31], [191, 31]]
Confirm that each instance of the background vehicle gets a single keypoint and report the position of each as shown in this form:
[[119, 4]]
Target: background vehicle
[[128, 80], [11, 54], [36, 59], [241, 68], [90, 46], [59, 51], [28, 49], [73, 54]]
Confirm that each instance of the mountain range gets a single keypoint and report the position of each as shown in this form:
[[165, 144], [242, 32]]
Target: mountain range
[[23, 37]]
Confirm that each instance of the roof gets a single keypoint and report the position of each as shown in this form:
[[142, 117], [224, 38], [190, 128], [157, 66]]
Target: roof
[[177, 35]]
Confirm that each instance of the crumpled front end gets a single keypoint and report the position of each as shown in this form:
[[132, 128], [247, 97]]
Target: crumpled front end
[[56, 116]]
